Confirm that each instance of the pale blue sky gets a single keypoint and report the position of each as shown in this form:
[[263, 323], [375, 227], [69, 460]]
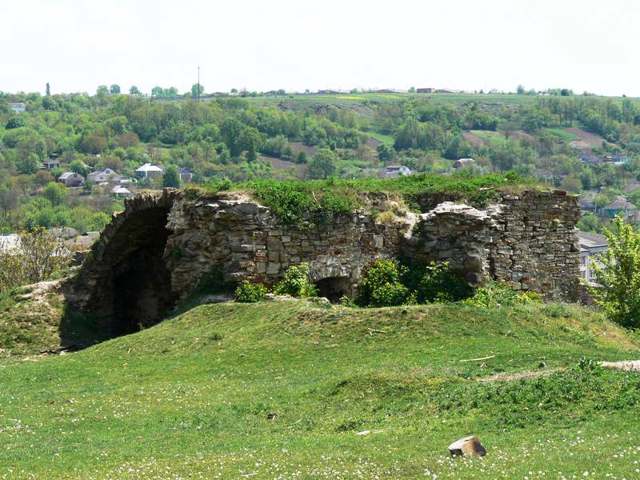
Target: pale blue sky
[[296, 44]]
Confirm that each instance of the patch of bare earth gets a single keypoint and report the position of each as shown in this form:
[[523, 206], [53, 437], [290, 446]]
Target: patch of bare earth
[[285, 166], [473, 139], [521, 135], [585, 140], [627, 365], [512, 377]]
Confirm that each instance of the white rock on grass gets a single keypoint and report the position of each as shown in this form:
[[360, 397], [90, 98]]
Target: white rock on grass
[[468, 447]]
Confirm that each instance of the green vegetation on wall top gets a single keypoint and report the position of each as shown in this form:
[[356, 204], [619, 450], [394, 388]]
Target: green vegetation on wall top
[[293, 201]]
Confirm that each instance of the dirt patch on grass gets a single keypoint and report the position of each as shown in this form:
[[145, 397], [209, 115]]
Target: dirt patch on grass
[[473, 139], [585, 140], [627, 365], [285, 168], [521, 135], [512, 377]]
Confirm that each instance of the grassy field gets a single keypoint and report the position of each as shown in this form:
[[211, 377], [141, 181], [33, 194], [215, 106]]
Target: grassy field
[[294, 390], [450, 98]]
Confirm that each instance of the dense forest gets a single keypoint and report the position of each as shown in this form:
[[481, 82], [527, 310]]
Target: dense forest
[[580, 143]]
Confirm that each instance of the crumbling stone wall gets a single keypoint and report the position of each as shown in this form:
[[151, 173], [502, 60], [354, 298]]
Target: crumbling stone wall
[[525, 239], [246, 241]]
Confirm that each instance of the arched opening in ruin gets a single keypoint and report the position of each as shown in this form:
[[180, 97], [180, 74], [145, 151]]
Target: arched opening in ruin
[[140, 281], [124, 284], [334, 288]]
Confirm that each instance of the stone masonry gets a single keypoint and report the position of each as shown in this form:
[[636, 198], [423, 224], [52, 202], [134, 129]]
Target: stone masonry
[[163, 245]]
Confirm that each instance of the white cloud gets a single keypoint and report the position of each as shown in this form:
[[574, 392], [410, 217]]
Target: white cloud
[[295, 44]]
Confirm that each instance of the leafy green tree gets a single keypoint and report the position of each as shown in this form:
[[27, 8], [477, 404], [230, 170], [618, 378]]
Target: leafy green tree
[[102, 91], [250, 141], [171, 177], [8, 199], [231, 131], [14, 122], [157, 92], [134, 90], [589, 223], [93, 143], [197, 89], [40, 256], [56, 193], [323, 164], [617, 274], [78, 166], [301, 157], [114, 89], [385, 153], [28, 164]]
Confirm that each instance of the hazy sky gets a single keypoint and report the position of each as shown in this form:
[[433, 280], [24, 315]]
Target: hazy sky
[[77, 45]]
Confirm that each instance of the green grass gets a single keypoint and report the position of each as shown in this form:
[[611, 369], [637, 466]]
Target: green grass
[[386, 139], [282, 389], [562, 134], [28, 327], [298, 201]]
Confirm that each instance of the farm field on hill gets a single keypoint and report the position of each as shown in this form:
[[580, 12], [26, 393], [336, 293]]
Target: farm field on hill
[[290, 389]]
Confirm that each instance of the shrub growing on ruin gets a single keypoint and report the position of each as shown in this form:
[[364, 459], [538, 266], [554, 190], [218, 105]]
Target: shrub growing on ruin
[[497, 294], [382, 286], [439, 283], [248, 292], [618, 275], [296, 282]]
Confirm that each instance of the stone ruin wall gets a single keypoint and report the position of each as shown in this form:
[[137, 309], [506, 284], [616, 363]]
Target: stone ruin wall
[[526, 239]]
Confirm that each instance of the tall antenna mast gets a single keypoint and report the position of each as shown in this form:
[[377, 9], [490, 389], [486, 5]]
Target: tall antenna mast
[[198, 88]]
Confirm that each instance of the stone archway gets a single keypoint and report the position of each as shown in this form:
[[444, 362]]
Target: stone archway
[[334, 288], [125, 282]]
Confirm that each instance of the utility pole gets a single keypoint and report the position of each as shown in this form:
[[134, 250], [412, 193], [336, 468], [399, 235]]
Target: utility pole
[[198, 88]]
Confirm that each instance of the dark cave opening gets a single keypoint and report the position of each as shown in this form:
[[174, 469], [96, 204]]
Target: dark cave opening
[[140, 281], [334, 288]]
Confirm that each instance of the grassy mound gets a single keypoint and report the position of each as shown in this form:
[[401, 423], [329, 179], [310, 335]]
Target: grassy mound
[[291, 390], [30, 319]]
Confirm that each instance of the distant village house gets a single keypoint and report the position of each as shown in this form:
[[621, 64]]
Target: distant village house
[[591, 246], [18, 107], [148, 170], [121, 192], [51, 163], [104, 176], [71, 179], [396, 171], [186, 175], [463, 162], [620, 206]]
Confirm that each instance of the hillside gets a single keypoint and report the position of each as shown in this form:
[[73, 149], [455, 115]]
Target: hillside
[[293, 390], [580, 143]]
